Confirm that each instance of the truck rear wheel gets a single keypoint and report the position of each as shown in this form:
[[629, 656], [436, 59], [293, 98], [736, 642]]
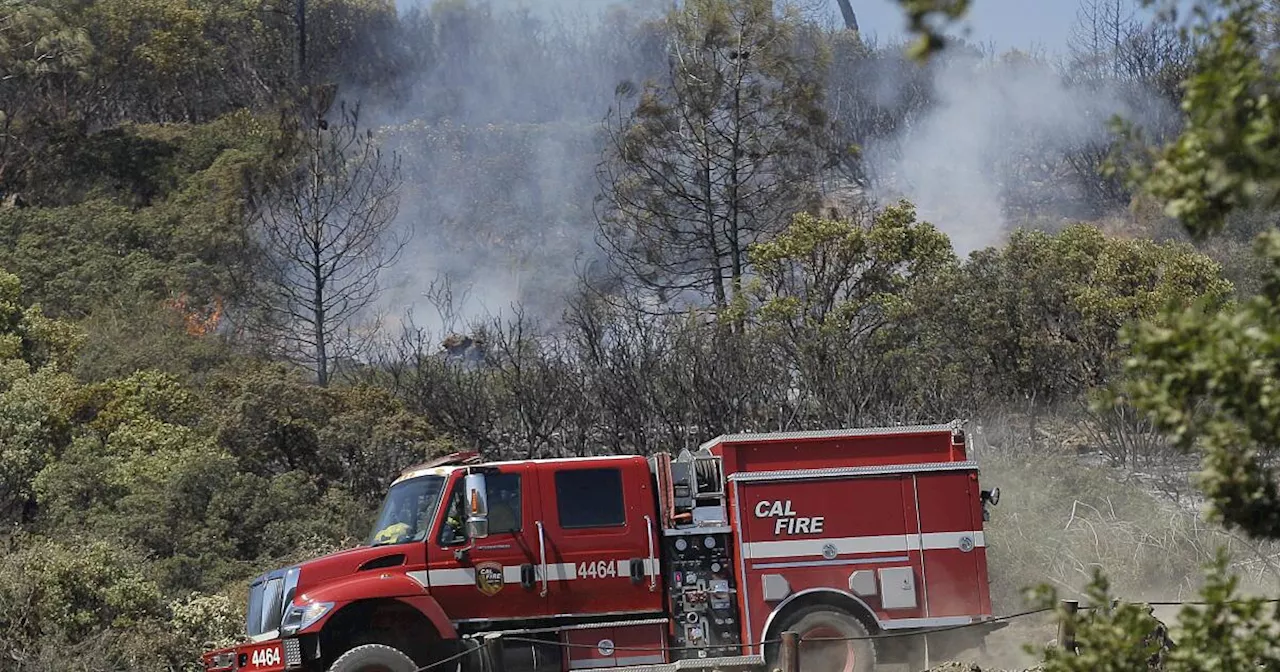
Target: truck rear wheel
[[840, 652], [373, 658]]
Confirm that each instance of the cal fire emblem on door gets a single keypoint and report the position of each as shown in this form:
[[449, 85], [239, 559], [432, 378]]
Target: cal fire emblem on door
[[489, 578]]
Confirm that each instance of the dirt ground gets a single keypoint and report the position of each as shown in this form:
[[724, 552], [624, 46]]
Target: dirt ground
[[973, 667], [1005, 650]]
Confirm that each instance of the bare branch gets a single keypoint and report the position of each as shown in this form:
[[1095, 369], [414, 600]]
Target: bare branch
[[326, 233]]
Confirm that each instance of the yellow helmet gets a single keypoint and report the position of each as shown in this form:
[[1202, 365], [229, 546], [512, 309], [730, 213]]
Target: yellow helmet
[[392, 533]]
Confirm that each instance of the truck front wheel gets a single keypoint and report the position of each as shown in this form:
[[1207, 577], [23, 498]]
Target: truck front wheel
[[829, 641], [373, 658]]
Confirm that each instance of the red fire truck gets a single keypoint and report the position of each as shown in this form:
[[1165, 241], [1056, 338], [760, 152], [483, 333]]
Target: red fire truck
[[868, 543]]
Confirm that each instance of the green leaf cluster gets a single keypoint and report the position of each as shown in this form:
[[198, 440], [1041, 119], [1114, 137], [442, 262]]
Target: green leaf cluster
[[1228, 154], [1210, 379], [141, 502], [1206, 373]]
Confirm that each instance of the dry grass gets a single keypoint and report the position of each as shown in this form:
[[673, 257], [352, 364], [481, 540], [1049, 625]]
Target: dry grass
[[1060, 519], [1062, 515]]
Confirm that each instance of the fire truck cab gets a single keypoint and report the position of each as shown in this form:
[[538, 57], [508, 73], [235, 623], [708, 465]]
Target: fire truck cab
[[659, 563]]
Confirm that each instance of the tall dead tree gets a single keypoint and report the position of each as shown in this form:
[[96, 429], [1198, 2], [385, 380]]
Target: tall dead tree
[[1113, 51], [325, 233], [850, 19], [715, 157]]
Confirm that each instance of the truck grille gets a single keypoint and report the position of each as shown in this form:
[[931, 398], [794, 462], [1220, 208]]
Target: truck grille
[[292, 654], [268, 597]]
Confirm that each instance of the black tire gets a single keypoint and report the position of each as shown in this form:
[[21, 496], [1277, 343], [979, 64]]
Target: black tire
[[373, 658], [829, 623]]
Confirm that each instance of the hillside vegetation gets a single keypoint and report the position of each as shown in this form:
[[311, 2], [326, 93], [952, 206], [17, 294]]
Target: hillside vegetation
[[244, 281]]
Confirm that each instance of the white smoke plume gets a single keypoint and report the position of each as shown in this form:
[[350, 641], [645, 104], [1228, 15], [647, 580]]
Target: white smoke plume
[[997, 136], [500, 139]]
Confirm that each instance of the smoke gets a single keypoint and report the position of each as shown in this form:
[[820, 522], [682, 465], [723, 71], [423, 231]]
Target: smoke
[[498, 133], [499, 129], [994, 149]]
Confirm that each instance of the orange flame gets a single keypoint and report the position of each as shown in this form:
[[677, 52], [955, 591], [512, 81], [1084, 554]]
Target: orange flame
[[199, 321]]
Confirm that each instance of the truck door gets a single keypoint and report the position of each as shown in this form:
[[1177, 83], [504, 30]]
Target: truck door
[[600, 522], [952, 559], [494, 577]]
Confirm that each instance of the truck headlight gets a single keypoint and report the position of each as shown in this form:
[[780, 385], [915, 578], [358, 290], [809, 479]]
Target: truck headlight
[[301, 617]]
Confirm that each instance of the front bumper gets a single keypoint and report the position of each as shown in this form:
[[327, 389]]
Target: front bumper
[[272, 655]]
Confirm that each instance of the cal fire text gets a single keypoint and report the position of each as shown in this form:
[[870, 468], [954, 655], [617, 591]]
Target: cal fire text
[[785, 519]]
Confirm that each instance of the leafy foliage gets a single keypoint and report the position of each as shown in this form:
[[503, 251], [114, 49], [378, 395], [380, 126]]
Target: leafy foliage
[[153, 454], [1226, 157], [149, 475], [716, 157], [923, 18], [1078, 288], [1104, 634], [1228, 631], [834, 299], [1206, 375]]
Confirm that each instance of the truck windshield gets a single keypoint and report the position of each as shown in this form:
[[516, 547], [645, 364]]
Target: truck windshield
[[407, 511]]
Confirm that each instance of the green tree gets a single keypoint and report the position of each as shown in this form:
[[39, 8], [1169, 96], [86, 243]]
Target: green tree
[[1208, 377], [154, 213], [829, 296], [145, 466], [41, 53], [137, 468], [1228, 155], [1044, 311], [718, 155], [80, 596], [36, 354], [273, 423]]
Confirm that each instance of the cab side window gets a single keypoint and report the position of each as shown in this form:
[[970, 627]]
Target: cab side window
[[453, 530], [503, 493], [504, 503], [590, 498]]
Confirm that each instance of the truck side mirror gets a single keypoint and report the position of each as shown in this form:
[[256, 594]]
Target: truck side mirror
[[991, 497], [477, 507]]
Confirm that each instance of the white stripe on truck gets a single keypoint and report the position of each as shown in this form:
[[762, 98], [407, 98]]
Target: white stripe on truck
[[759, 550], [889, 543], [556, 571]]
